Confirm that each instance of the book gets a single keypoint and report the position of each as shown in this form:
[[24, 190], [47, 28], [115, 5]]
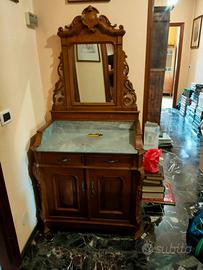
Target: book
[[169, 197], [152, 195], [154, 189], [155, 178], [164, 138], [152, 182], [153, 209]]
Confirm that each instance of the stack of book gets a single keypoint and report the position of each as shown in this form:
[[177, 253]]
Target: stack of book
[[196, 101], [190, 112], [153, 209], [196, 125], [153, 187], [165, 140], [169, 197], [185, 101], [200, 101]]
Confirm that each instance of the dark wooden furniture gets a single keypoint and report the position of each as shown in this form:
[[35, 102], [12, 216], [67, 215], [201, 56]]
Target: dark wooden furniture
[[9, 251], [78, 183]]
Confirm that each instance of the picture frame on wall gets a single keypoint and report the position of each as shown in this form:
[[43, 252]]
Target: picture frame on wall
[[196, 32], [88, 52]]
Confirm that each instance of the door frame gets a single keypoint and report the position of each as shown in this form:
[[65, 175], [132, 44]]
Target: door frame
[[10, 257], [148, 57], [179, 53]]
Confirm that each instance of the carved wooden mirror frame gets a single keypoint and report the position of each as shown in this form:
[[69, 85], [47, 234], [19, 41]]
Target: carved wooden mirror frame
[[91, 28]]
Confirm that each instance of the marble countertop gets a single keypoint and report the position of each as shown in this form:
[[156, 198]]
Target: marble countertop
[[79, 136]]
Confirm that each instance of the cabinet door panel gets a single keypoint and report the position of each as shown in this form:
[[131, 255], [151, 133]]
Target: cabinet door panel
[[65, 188], [65, 192], [110, 194], [110, 189]]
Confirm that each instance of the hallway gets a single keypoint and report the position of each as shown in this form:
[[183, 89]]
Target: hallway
[[162, 245]]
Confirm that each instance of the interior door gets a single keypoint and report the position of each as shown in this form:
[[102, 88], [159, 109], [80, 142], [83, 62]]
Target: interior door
[[9, 251], [65, 192], [157, 63], [110, 194]]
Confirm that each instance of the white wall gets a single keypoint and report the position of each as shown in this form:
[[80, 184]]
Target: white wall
[[196, 60], [53, 14], [21, 91], [183, 12]]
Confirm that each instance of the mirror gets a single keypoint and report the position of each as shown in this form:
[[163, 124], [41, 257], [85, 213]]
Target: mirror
[[93, 73]]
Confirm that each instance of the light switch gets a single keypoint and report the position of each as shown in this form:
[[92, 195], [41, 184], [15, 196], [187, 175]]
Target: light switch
[[31, 19], [5, 117]]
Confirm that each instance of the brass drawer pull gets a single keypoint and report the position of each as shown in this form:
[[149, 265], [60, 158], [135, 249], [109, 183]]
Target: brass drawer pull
[[112, 161], [92, 188], [65, 160], [83, 186]]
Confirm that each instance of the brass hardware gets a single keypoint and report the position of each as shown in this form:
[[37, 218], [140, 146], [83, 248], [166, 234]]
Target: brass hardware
[[83, 186], [65, 160], [92, 188], [112, 161], [94, 135]]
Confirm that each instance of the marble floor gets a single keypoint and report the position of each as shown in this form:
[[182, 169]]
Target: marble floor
[[162, 246], [167, 102]]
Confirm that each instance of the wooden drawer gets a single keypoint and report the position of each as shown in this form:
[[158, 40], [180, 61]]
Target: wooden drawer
[[59, 158], [109, 160]]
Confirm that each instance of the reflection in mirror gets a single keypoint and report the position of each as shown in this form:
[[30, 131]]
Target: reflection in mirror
[[93, 73]]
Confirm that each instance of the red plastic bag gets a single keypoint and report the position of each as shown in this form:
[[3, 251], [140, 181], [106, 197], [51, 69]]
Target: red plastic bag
[[151, 160]]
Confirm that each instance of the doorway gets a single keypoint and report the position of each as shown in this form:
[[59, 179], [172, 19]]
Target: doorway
[[173, 61]]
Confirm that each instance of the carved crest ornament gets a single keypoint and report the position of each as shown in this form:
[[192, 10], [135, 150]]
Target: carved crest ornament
[[90, 22]]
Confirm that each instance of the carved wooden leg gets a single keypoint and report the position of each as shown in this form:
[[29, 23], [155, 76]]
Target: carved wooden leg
[[46, 228], [139, 231], [139, 221]]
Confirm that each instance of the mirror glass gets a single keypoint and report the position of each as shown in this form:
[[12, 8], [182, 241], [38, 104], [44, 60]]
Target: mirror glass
[[93, 73]]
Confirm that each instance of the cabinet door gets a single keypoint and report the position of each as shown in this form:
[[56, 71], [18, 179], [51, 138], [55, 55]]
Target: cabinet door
[[64, 191], [110, 193]]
